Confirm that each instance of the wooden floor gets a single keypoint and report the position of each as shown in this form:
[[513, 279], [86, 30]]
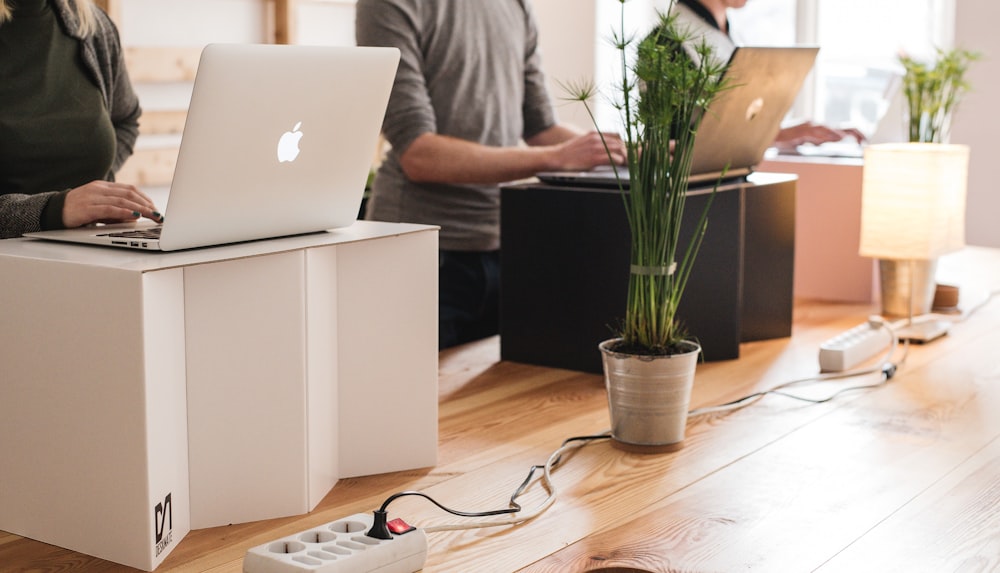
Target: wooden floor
[[905, 477]]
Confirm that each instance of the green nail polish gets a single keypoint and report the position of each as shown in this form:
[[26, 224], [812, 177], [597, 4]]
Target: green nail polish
[[135, 213]]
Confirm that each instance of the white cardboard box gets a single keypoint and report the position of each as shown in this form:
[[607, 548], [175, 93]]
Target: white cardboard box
[[144, 394]]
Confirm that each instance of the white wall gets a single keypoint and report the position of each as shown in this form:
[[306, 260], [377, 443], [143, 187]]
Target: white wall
[[568, 48], [977, 122]]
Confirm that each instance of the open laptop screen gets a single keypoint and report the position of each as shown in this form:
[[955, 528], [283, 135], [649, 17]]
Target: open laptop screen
[[740, 124]]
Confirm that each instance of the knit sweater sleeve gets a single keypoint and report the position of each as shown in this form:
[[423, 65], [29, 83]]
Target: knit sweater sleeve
[[21, 213]]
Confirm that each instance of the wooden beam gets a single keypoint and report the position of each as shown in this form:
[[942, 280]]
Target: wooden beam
[[149, 167], [284, 21], [162, 64], [162, 122]]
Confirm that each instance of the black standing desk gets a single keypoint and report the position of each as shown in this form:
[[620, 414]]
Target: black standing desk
[[565, 261]]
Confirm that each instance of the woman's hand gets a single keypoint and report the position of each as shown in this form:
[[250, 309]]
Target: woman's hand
[[816, 134], [107, 202]]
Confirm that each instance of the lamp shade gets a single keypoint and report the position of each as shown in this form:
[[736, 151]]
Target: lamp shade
[[913, 200]]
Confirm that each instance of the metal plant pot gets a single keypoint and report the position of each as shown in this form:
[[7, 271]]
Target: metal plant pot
[[648, 396]]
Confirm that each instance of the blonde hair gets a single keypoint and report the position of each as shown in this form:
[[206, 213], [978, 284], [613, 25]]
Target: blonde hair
[[84, 13]]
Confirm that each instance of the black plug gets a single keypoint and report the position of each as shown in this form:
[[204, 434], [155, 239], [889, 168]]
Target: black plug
[[888, 370], [379, 529]]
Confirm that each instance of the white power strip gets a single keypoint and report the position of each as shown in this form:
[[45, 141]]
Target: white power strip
[[340, 547], [854, 346]]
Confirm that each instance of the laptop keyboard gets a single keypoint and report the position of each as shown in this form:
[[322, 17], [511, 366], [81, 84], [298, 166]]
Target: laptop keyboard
[[150, 233]]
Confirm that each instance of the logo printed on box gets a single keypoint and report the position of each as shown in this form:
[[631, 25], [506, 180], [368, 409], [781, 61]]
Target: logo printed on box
[[163, 522]]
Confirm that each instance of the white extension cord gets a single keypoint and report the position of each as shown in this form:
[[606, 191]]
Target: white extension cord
[[343, 546], [340, 547], [854, 346]]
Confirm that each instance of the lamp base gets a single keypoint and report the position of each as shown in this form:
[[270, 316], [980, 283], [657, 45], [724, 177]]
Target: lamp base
[[923, 332], [907, 286]]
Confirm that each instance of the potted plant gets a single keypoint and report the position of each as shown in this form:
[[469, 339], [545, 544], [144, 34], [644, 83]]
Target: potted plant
[[663, 95]]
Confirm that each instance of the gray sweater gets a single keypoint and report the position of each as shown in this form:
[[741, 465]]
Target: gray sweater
[[469, 69], [102, 57]]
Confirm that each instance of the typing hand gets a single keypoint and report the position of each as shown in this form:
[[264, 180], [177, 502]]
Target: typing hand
[[107, 202], [808, 132]]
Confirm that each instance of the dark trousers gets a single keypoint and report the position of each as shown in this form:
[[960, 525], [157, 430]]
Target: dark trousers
[[468, 296]]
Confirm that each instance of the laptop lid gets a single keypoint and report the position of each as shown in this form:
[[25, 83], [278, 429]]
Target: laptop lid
[[743, 120], [278, 141]]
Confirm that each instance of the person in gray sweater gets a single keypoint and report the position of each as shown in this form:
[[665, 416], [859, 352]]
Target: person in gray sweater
[[68, 119], [469, 110]]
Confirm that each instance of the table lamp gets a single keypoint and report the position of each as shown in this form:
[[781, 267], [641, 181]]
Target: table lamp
[[912, 212]]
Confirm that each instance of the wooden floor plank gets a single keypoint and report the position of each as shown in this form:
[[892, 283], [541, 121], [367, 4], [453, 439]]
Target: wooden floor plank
[[953, 526]]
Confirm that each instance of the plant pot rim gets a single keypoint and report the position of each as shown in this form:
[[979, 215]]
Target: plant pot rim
[[606, 348]]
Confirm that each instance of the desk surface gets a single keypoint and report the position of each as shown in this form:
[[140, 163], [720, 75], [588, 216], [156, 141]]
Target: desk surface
[[142, 261], [905, 477]]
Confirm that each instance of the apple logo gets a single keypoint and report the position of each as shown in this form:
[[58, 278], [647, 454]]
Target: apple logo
[[288, 145], [754, 109]]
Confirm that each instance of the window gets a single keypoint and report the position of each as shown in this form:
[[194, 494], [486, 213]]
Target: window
[[856, 72]]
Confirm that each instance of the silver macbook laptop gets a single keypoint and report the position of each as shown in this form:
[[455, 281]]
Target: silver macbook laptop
[[278, 141], [740, 124]]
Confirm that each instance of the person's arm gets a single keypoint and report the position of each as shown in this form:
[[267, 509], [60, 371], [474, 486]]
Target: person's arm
[[124, 112], [97, 201], [106, 202], [441, 159]]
